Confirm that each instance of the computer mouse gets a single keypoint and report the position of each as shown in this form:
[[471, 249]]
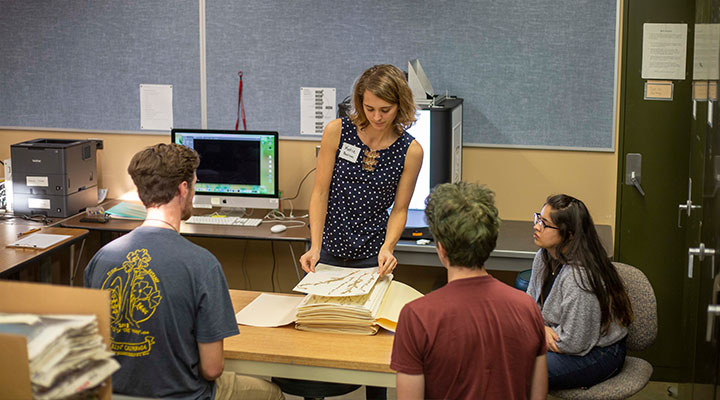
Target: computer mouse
[[278, 228]]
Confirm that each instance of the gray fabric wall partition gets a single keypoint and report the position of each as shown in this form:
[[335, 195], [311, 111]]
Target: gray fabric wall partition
[[533, 74]]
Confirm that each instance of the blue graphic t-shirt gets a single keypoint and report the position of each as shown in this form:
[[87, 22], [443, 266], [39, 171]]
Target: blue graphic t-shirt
[[166, 295], [361, 191]]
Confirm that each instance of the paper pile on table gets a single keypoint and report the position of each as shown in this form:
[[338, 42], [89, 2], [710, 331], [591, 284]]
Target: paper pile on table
[[66, 352], [350, 300]]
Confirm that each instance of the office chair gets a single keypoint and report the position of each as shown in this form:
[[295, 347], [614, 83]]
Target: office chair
[[523, 280], [635, 374], [312, 389]]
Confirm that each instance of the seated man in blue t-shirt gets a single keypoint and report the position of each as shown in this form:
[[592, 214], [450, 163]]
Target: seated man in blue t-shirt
[[169, 302]]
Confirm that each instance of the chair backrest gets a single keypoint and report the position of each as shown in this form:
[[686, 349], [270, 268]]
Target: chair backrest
[[643, 329]]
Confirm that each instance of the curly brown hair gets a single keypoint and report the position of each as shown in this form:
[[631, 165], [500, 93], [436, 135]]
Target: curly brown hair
[[158, 170], [463, 218], [389, 83]]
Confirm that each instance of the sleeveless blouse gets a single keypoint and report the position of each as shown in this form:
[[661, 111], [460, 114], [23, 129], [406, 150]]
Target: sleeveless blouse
[[359, 199]]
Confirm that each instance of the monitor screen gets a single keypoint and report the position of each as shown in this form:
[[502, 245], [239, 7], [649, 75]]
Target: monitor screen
[[421, 131], [237, 168]]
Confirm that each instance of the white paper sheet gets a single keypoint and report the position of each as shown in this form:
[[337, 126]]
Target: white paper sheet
[[38, 240], [419, 83], [156, 112], [328, 280], [269, 311], [664, 51], [706, 53], [317, 108]]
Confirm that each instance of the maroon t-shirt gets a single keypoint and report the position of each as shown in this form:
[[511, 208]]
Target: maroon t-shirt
[[474, 338]]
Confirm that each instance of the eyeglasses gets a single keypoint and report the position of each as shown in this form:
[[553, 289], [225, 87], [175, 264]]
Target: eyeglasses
[[541, 221]]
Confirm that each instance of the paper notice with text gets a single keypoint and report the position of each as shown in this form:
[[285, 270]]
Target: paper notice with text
[[664, 51]]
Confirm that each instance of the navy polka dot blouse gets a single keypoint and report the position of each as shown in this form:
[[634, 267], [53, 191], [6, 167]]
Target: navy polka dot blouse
[[359, 197]]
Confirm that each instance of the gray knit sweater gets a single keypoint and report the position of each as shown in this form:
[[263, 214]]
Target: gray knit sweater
[[573, 313]]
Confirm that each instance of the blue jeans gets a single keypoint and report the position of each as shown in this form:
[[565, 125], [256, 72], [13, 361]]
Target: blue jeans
[[327, 258], [601, 363]]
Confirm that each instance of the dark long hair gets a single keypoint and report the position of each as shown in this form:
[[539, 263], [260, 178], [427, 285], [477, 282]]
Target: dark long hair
[[581, 247]]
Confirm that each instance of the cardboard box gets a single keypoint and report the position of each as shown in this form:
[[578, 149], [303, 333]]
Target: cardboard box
[[22, 297]]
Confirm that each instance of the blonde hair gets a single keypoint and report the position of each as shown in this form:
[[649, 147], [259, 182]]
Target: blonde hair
[[387, 82]]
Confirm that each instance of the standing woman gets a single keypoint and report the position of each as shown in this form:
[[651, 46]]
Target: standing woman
[[367, 163], [582, 298]]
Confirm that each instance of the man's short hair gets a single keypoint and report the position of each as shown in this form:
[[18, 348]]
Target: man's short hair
[[463, 218], [158, 170]]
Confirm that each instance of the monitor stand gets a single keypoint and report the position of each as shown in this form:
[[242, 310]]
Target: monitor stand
[[236, 212], [236, 202]]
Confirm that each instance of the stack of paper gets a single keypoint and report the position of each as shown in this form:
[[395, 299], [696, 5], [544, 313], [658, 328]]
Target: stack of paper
[[350, 300], [66, 352]]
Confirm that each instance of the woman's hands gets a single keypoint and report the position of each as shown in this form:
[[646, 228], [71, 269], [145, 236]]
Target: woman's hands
[[551, 339], [309, 259], [386, 262]]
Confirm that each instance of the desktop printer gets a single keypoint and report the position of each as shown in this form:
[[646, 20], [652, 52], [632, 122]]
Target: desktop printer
[[54, 177]]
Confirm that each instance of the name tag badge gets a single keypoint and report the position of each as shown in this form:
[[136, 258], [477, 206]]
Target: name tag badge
[[349, 152]]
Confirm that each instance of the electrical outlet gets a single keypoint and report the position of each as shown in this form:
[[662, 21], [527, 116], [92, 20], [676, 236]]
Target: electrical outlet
[[99, 143]]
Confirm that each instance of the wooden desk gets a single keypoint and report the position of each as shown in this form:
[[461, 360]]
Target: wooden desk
[[13, 259], [289, 353], [262, 232], [515, 248]]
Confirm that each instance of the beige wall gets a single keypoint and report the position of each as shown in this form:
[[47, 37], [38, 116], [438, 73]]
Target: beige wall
[[522, 179]]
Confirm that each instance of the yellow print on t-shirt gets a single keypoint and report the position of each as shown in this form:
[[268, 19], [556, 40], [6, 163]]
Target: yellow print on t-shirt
[[134, 296], [133, 349]]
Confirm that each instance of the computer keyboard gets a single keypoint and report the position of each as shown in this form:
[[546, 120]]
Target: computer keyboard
[[235, 221]]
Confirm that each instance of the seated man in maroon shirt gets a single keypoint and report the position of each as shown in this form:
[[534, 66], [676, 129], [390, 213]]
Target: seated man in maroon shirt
[[476, 337]]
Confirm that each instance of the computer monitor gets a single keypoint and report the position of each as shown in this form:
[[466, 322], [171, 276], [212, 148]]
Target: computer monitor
[[238, 169], [421, 131], [439, 131]]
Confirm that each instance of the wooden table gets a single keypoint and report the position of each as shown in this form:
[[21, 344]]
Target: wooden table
[[13, 259], [289, 353], [261, 232]]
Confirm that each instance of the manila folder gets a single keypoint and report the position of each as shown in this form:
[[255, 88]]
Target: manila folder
[[395, 299]]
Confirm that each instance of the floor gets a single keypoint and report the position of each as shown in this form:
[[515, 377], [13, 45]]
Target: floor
[[658, 390], [653, 391], [356, 395]]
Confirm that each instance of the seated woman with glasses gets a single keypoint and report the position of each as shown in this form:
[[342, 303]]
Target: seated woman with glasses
[[581, 296]]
